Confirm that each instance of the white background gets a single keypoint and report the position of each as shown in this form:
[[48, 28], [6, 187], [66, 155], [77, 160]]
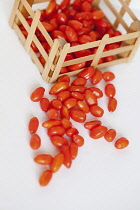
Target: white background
[[102, 177]]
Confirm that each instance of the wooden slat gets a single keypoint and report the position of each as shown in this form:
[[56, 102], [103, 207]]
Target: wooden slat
[[40, 1], [28, 7], [135, 26], [99, 51], [40, 47], [78, 60], [84, 46], [32, 30], [36, 60], [70, 74], [45, 34], [122, 12], [23, 20], [13, 13], [117, 51], [47, 68], [135, 48], [111, 63], [121, 38], [121, 21], [19, 33], [60, 62], [128, 10]]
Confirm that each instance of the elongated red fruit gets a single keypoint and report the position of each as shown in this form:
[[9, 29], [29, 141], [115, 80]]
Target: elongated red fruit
[[91, 124], [121, 143], [35, 141], [59, 141], [45, 178], [58, 87], [43, 159], [57, 162], [37, 94], [78, 115], [98, 132], [67, 156], [33, 125]]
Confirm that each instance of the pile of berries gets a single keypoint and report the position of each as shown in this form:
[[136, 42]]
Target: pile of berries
[[78, 23], [74, 100]]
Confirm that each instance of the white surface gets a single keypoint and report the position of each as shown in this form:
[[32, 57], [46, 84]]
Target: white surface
[[101, 178]]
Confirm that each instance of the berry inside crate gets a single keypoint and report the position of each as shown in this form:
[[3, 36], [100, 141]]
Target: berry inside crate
[[54, 59]]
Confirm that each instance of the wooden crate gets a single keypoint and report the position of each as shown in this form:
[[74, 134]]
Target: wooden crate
[[55, 60]]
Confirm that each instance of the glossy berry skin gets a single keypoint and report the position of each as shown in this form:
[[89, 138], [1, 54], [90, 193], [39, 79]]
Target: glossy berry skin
[[58, 34], [90, 98], [44, 104], [79, 140], [87, 73], [77, 95], [75, 24], [56, 131], [51, 7], [110, 90], [98, 132], [52, 114], [112, 104], [67, 156], [78, 115], [34, 47], [83, 39], [70, 103], [108, 76], [47, 26], [80, 89], [64, 4], [61, 18], [77, 66], [58, 87], [97, 77], [35, 141], [121, 143], [43, 159], [79, 81], [96, 91], [64, 78], [37, 94], [33, 125], [63, 95], [64, 112], [73, 150], [50, 123], [59, 141], [110, 135], [83, 106], [92, 124], [45, 178], [57, 162], [71, 131], [71, 34], [98, 14], [66, 123], [56, 104], [96, 111]]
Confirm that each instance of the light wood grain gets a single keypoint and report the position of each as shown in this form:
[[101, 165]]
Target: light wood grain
[[50, 60], [122, 13], [128, 10], [32, 30], [118, 15], [99, 52], [13, 13], [60, 62]]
